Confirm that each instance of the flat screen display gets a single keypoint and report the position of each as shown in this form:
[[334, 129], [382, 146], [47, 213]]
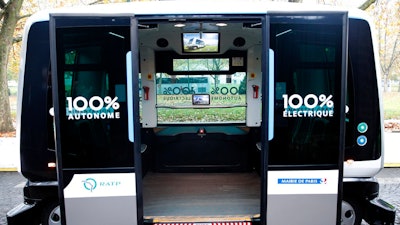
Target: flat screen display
[[200, 42], [201, 99]]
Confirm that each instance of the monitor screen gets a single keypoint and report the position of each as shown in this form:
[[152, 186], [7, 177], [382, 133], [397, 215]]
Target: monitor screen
[[200, 42], [201, 99]]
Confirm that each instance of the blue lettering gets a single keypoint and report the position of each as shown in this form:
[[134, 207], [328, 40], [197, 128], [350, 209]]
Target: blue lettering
[[110, 183]]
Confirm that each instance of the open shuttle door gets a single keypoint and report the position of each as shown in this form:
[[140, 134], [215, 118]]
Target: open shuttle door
[[97, 161]]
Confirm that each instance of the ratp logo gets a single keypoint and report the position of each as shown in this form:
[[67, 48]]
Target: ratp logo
[[90, 184]]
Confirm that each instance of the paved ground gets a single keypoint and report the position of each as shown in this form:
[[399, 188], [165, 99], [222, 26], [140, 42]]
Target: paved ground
[[389, 179], [11, 184]]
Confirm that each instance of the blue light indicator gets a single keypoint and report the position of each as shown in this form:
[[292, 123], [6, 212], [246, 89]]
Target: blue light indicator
[[362, 140]]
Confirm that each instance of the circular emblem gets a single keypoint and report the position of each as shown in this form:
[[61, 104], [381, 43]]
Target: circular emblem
[[90, 184]]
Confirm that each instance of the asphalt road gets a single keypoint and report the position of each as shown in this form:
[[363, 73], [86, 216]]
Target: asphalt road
[[11, 184]]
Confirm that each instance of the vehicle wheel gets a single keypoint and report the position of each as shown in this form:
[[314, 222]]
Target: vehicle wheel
[[51, 214], [351, 213]]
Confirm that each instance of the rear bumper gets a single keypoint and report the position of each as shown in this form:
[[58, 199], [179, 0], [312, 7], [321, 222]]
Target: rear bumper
[[360, 188], [36, 194], [366, 191], [379, 211], [24, 213], [40, 191]]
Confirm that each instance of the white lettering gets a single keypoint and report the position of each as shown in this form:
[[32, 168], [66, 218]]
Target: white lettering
[[285, 113], [309, 106], [92, 115], [95, 107], [110, 115], [308, 113]]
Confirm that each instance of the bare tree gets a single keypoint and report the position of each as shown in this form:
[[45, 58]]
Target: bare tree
[[388, 27], [9, 16]]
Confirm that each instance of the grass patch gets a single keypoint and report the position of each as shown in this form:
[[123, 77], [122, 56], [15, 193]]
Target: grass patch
[[391, 105], [201, 115]]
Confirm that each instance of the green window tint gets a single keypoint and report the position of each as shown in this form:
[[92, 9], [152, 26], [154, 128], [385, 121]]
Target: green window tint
[[68, 76], [70, 57]]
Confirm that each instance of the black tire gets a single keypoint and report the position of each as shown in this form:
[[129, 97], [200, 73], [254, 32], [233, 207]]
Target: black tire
[[351, 212], [51, 214]]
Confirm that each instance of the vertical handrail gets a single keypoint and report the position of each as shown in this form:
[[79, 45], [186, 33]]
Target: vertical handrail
[[271, 91], [129, 90]]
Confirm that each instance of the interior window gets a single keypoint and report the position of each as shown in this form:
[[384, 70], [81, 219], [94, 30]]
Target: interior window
[[201, 98]]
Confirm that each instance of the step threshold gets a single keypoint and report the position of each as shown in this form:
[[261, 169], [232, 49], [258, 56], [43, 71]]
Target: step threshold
[[204, 220]]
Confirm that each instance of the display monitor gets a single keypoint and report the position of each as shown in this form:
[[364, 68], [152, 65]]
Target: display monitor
[[201, 99], [200, 42]]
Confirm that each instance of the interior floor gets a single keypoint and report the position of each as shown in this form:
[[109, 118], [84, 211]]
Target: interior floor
[[201, 194]]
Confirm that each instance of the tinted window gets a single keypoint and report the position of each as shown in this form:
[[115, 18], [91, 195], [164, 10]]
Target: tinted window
[[37, 134], [363, 95], [307, 76], [92, 86]]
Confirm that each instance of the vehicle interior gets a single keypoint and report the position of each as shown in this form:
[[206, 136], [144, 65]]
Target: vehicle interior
[[201, 156]]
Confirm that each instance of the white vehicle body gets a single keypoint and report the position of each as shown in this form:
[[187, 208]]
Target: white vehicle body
[[291, 106]]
